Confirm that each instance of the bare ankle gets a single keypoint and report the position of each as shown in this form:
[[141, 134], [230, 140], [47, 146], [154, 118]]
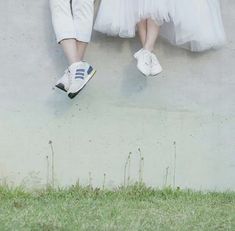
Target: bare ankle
[[148, 48]]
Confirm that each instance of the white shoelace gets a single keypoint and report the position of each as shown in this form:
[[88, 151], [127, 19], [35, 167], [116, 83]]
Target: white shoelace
[[146, 57], [154, 59], [67, 72]]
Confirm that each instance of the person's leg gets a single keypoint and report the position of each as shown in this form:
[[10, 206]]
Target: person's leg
[[152, 34], [142, 31], [63, 24], [82, 72], [81, 48], [147, 62], [83, 14], [62, 20], [66, 18], [71, 50], [73, 22]]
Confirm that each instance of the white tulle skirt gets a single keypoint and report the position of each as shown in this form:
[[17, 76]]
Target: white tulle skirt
[[193, 24]]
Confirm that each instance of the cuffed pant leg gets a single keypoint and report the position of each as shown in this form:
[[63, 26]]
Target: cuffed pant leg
[[62, 19], [83, 15]]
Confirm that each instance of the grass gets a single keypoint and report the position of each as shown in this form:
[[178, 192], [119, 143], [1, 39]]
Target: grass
[[133, 208]]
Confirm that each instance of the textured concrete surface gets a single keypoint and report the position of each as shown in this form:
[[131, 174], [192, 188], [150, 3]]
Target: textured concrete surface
[[188, 111]]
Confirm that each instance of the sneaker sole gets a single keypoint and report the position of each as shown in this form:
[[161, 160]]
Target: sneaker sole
[[142, 72], [61, 87], [155, 74], [73, 95]]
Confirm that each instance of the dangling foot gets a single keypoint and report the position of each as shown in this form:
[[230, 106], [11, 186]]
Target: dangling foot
[[64, 82], [155, 66], [80, 74], [137, 54], [144, 61]]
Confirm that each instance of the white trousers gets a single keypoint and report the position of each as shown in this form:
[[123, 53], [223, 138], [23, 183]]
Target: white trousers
[[72, 19]]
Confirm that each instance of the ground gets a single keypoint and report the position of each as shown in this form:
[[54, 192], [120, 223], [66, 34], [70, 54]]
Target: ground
[[132, 208]]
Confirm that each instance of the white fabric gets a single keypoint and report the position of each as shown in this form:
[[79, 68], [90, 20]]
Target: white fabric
[[194, 24], [116, 17], [72, 19]]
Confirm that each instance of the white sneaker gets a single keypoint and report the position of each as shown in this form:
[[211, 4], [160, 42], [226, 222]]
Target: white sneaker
[[144, 61], [64, 82], [80, 74], [155, 66], [137, 54]]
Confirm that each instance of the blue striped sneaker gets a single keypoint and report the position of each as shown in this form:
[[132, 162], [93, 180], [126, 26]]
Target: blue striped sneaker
[[80, 74], [64, 82]]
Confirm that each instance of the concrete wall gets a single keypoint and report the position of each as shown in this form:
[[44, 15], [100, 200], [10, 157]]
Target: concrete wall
[[192, 103]]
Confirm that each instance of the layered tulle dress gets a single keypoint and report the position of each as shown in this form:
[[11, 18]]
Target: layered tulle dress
[[193, 24]]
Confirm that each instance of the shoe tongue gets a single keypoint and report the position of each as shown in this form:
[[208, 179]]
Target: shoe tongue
[[74, 66], [146, 51]]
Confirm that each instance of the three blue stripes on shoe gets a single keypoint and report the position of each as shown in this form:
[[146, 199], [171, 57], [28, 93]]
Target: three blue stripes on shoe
[[80, 73]]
